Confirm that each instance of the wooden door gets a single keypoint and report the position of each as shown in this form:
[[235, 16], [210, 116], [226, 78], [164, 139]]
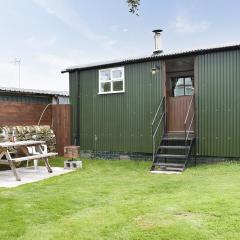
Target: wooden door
[[177, 108]]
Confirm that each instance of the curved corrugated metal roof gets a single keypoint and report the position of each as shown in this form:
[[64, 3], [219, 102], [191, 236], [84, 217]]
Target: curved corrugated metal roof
[[34, 91], [152, 57]]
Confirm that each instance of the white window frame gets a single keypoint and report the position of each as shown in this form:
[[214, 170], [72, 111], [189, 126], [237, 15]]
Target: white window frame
[[112, 80]]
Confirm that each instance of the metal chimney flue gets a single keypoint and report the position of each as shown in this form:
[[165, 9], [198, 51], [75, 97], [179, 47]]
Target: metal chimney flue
[[157, 41]]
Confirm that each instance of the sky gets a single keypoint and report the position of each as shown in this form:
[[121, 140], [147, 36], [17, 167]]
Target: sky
[[51, 35]]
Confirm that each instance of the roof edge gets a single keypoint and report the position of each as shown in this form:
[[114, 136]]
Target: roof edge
[[153, 57], [33, 91]]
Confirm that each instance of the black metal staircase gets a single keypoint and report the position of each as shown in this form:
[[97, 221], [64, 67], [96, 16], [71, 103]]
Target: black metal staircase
[[171, 151]]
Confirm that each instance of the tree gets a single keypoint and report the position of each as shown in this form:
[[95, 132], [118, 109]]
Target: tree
[[133, 6]]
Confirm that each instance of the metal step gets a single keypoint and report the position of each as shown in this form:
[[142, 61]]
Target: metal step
[[170, 156], [169, 169], [181, 134], [177, 165], [174, 147], [176, 138]]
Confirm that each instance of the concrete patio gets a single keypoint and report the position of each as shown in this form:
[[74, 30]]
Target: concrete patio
[[29, 175]]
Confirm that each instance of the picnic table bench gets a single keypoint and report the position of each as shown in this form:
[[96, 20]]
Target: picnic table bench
[[7, 158]]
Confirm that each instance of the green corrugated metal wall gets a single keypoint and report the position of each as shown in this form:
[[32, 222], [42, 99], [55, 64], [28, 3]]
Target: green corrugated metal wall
[[25, 98], [218, 104], [121, 122]]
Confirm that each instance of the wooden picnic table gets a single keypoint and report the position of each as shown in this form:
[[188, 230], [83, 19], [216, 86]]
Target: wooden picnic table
[[7, 158]]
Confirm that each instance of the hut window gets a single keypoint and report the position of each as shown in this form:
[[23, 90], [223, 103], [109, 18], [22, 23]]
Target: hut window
[[111, 80], [182, 86]]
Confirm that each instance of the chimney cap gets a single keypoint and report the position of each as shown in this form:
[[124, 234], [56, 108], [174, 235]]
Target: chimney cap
[[157, 30]]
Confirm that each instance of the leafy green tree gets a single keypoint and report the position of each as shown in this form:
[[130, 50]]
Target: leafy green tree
[[133, 6]]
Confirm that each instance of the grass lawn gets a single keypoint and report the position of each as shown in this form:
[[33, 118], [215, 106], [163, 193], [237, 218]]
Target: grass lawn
[[122, 200]]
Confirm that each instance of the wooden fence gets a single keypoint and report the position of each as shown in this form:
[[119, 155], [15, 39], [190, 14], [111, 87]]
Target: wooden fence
[[61, 125], [24, 114]]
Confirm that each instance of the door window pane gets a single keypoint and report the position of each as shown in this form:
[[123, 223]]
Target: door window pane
[[188, 81], [180, 81], [178, 91], [189, 91]]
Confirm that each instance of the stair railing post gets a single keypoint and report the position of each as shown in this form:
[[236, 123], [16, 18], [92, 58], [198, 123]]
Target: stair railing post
[[185, 122], [165, 115], [185, 132], [155, 129], [153, 144]]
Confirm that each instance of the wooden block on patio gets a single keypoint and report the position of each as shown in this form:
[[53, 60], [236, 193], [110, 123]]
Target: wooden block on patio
[[72, 151]]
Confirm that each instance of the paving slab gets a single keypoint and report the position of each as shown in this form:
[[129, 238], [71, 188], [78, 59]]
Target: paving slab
[[29, 175]]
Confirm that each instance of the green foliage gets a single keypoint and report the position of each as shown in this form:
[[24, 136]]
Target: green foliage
[[133, 6], [122, 200]]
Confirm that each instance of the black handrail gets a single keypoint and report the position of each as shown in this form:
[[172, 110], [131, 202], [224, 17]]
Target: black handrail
[[155, 130]]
